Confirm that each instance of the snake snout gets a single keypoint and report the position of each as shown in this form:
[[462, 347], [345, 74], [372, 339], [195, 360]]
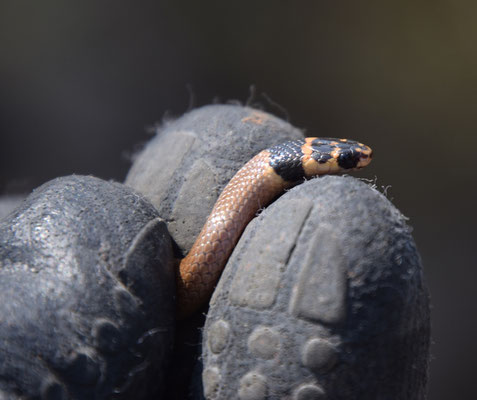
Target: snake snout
[[365, 156]]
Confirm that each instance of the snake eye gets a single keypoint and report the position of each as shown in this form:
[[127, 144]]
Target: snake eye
[[348, 159]]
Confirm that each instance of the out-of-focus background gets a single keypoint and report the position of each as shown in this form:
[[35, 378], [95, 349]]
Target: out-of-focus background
[[80, 83]]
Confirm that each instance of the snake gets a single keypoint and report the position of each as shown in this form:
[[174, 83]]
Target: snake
[[262, 179]]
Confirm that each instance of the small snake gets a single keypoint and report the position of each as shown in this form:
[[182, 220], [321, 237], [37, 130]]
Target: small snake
[[254, 186]]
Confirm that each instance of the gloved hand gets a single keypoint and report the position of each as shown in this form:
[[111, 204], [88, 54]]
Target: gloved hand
[[323, 295]]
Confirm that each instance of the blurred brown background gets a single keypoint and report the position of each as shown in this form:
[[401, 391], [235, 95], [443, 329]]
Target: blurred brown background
[[81, 81]]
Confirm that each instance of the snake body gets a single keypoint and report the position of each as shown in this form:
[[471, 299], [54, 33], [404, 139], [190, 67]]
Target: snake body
[[254, 186]]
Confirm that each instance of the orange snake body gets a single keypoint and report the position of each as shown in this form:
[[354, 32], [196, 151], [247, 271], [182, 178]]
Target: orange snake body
[[254, 186]]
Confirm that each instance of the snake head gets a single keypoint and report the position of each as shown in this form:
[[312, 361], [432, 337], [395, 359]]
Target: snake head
[[332, 156]]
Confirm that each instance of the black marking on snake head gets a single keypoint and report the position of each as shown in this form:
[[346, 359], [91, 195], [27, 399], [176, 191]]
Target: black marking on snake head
[[285, 159], [322, 149], [321, 157], [321, 152], [349, 158], [346, 160]]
